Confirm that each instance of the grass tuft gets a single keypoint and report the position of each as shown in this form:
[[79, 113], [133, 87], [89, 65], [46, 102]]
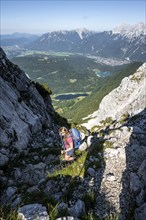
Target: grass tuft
[[7, 213], [77, 168]]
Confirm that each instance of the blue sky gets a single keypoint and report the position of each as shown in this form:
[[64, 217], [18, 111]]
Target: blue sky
[[39, 16]]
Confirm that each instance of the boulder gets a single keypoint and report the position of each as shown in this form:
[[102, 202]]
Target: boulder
[[78, 210], [140, 213], [33, 211]]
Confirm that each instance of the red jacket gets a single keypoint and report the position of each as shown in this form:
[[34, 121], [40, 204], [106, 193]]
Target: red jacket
[[67, 141]]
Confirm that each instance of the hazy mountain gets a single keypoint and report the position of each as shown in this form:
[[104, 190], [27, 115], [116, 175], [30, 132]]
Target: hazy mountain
[[18, 35], [124, 42], [17, 39]]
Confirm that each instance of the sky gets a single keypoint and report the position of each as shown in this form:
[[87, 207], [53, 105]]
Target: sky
[[41, 16]]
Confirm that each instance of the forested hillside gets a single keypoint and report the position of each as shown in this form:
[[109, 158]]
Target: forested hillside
[[104, 86], [74, 74], [61, 73]]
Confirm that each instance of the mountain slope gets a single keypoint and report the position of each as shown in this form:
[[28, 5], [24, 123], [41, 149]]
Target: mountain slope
[[63, 74], [26, 110], [103, 87], [19, 39], [129, 98], [59, 40]]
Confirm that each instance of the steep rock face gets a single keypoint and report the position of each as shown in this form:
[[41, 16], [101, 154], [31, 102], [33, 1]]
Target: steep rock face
[[127, 99], [124, 180], [26, 109], [122, 117]]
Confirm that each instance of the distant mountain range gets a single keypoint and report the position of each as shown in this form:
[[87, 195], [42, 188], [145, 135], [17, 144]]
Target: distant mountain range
[[19, 39], [123, 42]]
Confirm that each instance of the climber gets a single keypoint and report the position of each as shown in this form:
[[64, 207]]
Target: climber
[[68, 146]]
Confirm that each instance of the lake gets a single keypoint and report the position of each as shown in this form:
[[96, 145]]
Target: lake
[[69, 96], [103, 73]]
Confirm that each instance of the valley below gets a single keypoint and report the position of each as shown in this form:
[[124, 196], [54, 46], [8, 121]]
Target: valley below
[[65, 73]]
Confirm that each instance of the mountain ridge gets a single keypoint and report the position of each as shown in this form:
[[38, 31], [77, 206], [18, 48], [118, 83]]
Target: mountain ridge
[[123, 27], [126, 42], [122, 45], [129, 30]]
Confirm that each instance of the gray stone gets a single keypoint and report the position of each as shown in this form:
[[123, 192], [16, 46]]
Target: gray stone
[[17, 173], [32, 189], [67, 218], [3, 159], [49, 187], [33, 212], [91, 171], [16, 202], [78, 210], [11, 191], [142, 172], [31, 174], [135, 183], [140, 213], [4, 139], [62, 206], [40, 166], [57, 196], [140, 198], [9, 195]]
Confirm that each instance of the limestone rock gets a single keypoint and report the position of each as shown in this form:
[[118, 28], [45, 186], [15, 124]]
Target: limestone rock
[[33, 212], [129, 98], [26, 109]]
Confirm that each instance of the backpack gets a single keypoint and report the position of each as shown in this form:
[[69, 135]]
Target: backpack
[[75, 134]]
